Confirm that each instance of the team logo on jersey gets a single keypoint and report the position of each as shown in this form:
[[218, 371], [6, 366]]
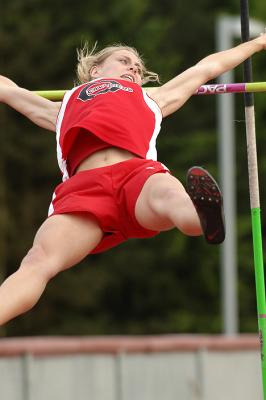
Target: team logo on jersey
[[93, 89]]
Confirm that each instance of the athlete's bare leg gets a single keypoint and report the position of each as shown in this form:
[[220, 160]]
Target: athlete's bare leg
[[61, 242], [164, 204]]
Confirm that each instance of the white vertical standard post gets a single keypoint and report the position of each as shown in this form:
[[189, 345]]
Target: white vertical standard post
[[228, 28]]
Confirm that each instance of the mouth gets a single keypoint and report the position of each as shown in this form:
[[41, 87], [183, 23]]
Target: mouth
[[128, 77]]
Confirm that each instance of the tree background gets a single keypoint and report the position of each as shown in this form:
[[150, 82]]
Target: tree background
[[168, 284]]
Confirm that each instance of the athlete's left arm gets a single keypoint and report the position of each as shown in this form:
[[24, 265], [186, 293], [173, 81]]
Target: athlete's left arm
[[172, 95]]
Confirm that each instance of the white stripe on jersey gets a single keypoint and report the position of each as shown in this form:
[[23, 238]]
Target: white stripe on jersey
[[61, 162], [51, 207], [152, 152]]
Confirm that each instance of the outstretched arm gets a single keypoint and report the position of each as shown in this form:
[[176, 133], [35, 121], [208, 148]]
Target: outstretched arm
[[172, 95], [41, 111]]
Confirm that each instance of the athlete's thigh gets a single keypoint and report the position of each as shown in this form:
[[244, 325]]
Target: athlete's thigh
[[68, 238], [154, 190]]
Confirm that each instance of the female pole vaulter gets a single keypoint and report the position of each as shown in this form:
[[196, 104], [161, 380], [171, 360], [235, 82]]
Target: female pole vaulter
[[113, 186]]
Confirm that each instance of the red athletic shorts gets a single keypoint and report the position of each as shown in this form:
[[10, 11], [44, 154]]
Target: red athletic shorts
[[109, 194]]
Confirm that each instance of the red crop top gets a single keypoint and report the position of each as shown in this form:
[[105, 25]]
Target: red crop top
[[85, 144]]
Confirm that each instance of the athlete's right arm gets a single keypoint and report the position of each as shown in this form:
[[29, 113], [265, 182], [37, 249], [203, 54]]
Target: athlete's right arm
[[39, 110]]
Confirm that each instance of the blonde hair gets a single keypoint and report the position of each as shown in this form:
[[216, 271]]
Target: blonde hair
[[88, 58]]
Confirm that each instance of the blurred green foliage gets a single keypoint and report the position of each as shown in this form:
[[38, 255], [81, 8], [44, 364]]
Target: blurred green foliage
[[169, 284]]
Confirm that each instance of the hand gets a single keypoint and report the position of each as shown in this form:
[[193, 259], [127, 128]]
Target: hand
[[6, 81], [262, 39]]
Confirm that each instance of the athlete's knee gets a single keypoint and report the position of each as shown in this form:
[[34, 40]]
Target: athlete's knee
[[35, 255], [38, 261], [163, 199]]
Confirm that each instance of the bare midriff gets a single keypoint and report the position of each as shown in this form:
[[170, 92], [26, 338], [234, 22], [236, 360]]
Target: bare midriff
[[105, 157]]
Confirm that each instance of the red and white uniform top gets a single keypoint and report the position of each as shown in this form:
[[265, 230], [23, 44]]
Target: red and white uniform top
[[118, 112]]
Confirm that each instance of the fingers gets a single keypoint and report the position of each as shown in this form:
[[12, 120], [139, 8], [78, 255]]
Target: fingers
[[262, 39]]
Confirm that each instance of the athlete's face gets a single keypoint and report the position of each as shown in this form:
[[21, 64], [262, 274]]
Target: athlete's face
[[121, 64]]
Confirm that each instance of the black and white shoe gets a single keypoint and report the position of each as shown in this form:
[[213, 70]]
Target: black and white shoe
[[207, 199]]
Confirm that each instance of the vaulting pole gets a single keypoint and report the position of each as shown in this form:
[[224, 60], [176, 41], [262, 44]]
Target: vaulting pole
[[54, 95], [221, 88], [254, 195]]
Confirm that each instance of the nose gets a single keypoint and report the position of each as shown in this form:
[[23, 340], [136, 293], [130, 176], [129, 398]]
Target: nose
[[133, 69]]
